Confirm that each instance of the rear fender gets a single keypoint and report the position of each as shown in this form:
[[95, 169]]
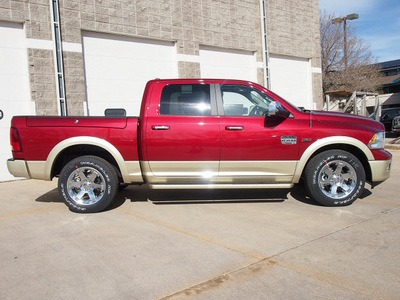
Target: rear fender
[[80, 140]]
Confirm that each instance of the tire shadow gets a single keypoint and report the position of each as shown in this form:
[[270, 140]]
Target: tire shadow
[[216, 196], [50, 197], [169, 197]]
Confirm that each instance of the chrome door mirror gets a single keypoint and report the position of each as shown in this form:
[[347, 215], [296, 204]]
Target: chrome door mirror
[[276, 109], [272, 109]]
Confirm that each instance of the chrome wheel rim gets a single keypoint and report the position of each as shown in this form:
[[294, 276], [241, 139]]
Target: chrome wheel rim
[[86, 186], [337, 179]]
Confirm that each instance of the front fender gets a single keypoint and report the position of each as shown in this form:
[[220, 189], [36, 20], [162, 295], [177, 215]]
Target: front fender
[[333, 140]]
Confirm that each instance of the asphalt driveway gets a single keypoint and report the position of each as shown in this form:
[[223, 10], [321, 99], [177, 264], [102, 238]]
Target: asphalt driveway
[[200, 245]]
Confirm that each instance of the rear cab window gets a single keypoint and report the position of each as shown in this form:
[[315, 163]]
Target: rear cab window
[[186, 100]]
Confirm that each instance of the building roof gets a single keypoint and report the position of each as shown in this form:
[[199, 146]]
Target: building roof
[[389, 64], [390, 80]]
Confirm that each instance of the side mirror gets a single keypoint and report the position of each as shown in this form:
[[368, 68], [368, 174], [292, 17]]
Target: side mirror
[[272, 109], [276, 109]]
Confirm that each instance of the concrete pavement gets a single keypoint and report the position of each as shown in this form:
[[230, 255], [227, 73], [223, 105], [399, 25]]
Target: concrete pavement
[[276, 245]]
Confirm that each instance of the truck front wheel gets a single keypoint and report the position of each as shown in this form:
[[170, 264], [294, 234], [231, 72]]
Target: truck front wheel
[[335, 178], [88, 184]]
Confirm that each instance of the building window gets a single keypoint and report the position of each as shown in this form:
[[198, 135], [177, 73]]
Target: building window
[[391, 73]]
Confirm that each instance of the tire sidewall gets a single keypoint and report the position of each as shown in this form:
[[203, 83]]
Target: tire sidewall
[[110, 180], [315, 167]]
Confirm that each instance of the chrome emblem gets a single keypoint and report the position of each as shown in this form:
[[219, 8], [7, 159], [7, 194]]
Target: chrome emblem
[[289, 140]]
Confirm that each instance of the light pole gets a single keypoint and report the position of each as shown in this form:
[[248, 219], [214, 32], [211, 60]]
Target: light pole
[[338, 21]]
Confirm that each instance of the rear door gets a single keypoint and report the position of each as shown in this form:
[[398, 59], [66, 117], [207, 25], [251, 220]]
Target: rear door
[[255, 148], [182, 134]]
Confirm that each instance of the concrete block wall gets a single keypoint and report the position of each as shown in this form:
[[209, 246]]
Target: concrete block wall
[[35, 15], [220, 23], [234, 24], [293, 30]]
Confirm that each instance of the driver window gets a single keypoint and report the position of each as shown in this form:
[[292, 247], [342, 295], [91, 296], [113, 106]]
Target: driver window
[[244, 101], [236, 104]]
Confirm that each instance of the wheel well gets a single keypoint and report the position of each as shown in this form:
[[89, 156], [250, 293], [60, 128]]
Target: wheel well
[[351, 149], [73, 152]]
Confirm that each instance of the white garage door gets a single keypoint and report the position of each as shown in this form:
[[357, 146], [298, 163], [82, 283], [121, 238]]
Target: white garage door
[[229, 64], [291, 79], [117, 69], [14, 86]]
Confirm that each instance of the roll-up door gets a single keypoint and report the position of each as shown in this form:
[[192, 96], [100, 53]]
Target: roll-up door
[[118, 67]]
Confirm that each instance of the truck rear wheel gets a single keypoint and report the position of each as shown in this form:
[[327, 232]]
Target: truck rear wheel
[[335, 178], [88, 184]]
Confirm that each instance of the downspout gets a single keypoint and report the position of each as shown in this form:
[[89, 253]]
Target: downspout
[[265, 43], [59, 60]]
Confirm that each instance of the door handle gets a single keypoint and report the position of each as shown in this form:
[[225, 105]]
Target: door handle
[[160, 127], [234, 127]]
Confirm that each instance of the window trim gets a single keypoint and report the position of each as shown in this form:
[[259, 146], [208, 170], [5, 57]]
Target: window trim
[[213, 104]]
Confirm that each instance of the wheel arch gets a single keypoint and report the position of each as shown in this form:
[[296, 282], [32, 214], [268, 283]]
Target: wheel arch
[[74, 147], [351, 145]]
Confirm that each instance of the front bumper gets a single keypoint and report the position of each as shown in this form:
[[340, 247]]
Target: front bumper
[[18, 168], [380, 169]]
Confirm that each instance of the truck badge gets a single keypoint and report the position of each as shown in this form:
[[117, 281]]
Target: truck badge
[[289, 140]]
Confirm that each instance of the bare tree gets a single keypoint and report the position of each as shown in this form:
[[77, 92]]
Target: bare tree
[[361, 74]]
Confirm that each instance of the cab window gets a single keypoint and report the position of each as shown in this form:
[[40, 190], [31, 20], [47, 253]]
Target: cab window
[[244, 101], [186, 100]]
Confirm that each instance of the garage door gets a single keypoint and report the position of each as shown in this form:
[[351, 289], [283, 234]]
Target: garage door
[[14, 86], [291, 79], [225, 63], [117, 69]]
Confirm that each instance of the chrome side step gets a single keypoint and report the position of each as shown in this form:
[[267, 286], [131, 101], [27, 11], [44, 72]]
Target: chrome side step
[[220, 186]]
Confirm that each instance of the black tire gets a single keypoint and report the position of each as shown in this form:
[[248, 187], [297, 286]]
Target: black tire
[[88, 184], [122, 186], [335, 178]]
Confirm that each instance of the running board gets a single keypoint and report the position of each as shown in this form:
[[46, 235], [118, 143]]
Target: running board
[[220, 186]]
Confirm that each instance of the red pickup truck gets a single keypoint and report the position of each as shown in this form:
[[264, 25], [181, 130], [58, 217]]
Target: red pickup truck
[[201, 134]]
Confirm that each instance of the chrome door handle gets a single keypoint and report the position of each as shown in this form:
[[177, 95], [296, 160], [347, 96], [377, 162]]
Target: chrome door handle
[[234, 127], [160, 127]]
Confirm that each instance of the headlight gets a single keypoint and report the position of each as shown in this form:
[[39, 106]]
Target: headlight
[[378, 141]]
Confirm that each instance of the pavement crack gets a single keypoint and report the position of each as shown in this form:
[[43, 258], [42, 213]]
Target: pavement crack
[[336, 231], [241, 275], [266, 264], [205, 238]]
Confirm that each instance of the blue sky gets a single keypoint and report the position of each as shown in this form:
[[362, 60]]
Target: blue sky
[[378, 25]]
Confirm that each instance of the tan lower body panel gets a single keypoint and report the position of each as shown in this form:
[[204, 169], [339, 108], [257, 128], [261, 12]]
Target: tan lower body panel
[[214, 172], [220, 186], [380, 169]]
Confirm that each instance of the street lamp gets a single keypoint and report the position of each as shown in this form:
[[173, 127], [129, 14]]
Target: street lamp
[[340, 20]]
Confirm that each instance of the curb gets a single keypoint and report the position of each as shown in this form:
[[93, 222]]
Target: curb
[[392, 146]]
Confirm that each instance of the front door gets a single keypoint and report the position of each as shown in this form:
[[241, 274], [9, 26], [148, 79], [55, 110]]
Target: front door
[[255, 148]]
